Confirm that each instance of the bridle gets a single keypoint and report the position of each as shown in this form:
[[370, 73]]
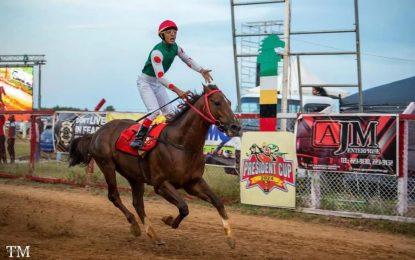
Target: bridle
[[206, 113]]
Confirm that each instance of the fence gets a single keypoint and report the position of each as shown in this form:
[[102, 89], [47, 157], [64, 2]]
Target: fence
[[348, 192], [368, 193], [375, 194], [53, 167]]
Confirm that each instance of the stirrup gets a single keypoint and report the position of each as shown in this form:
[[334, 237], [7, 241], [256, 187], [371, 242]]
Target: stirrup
[[139, 139]]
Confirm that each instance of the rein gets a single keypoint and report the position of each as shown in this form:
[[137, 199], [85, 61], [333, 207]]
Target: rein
[[209, 117]]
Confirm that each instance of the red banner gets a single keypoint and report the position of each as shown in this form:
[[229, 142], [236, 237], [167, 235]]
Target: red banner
[[348, 143]]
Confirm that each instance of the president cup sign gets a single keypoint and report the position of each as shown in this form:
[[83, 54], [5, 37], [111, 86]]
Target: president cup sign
[[267, 168], [268, 164]]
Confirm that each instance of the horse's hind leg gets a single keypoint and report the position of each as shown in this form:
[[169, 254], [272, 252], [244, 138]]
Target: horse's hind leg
[[167, 191], [108, 168], [138, 202]]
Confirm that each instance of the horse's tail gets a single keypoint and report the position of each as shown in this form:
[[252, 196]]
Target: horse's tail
[[79, 150]]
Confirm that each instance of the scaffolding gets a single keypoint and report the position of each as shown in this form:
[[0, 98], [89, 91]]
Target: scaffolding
[[248, 77], [287, 52]]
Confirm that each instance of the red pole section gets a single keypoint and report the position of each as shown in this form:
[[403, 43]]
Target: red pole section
[[90, 167], [32, 143], [100, 104]]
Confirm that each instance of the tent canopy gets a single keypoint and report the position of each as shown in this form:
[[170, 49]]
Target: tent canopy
[[397, 93]]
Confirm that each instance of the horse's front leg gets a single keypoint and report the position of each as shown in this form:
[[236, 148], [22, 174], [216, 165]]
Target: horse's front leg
[[202, 190], [167, 191], [138, 202]]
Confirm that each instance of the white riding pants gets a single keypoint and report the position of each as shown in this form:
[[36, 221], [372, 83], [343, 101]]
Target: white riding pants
[[153, 94]]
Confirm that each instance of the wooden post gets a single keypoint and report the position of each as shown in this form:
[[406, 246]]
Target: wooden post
[[402, 206], [315, 192]]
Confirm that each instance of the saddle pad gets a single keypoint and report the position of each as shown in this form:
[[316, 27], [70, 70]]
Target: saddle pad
[[127, 136]]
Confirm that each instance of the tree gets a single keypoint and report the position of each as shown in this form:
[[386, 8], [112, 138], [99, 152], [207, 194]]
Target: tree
[[57, 108], [109, 108]]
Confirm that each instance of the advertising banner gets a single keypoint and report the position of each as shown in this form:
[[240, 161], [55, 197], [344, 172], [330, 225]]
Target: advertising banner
[[221, 149], [70, 125], [268, 167], [16, 88], [123, 115], [348, 143]]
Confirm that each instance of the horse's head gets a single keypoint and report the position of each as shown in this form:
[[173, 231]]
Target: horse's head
[[219, 109]]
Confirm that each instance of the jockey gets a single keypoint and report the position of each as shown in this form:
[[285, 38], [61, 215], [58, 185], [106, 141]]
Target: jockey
[[158, 63]]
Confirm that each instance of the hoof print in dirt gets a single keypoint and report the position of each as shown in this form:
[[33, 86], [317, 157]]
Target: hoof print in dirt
[[231, 243], [160, 243]]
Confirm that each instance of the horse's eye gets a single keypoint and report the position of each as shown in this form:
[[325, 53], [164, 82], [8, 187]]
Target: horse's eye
[[217, 103]]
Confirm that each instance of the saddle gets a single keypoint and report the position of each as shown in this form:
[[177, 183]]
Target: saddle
[[127, 136]]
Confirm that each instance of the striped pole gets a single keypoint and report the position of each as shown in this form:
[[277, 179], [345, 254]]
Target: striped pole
[[268, 72], [268, 99]]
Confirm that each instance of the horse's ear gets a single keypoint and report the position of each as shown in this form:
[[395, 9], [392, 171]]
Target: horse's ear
[[206, 88]]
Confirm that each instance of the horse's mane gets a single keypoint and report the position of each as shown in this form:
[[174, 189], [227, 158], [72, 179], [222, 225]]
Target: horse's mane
[[184, 107]]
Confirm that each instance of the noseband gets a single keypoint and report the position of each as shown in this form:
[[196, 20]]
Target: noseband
[[206, 113]]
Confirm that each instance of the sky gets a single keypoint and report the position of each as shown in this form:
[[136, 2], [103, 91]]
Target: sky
[[96, 49]]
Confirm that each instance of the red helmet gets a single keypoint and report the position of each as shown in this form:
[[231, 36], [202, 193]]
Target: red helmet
[[167, 24]]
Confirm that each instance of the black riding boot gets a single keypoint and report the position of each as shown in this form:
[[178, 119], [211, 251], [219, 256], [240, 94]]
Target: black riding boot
[[139, 139]]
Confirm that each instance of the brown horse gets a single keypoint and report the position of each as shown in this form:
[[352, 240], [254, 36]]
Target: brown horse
[[176, 162]]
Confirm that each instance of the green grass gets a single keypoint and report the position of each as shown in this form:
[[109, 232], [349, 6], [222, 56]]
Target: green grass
[[19, 169], [221, 183], [225, 185], [22, 148]]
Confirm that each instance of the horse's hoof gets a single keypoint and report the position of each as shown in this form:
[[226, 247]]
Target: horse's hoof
[[168, 220], [231, 242], [135, 230]]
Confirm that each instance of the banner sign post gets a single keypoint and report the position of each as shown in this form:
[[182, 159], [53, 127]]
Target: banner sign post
[[348, 143], [268, 167]]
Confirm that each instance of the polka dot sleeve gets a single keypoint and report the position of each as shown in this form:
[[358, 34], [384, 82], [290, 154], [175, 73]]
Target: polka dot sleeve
[[157, 62]]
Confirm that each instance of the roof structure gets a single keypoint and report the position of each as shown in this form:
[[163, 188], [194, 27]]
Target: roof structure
[[391, 97]]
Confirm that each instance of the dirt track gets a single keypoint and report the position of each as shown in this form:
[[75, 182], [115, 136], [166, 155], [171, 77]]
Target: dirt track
[[76, 224]]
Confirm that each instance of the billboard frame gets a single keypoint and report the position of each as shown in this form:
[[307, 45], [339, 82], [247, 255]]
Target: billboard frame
[[26, 60], [398, 118]]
